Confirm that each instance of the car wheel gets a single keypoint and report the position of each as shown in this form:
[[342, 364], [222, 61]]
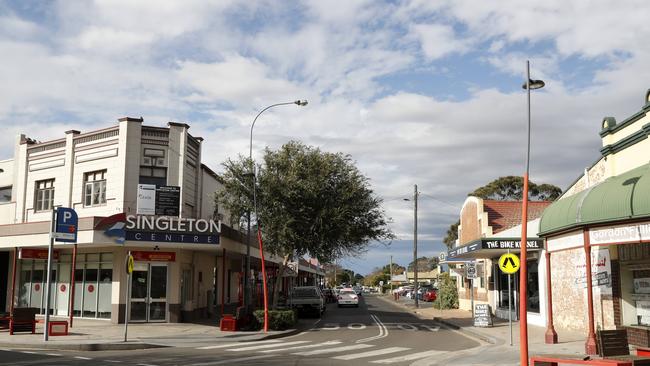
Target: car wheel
[[356, 306], [339, 305]]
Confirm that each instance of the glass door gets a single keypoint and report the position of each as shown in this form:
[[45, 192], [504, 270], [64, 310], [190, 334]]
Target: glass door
[[148, 293]]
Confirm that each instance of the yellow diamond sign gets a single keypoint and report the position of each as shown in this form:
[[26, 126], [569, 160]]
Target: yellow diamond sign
[[509, 263]]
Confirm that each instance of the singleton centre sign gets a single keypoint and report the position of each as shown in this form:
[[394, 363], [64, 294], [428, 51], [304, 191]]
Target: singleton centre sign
[[161, 229]]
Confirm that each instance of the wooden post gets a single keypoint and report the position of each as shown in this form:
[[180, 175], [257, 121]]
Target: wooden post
[[591, 347], [550, 336], [13, 282]]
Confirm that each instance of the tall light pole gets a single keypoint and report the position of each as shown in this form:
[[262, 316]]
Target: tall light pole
[[248, 248], [523, 272], [415, 243]]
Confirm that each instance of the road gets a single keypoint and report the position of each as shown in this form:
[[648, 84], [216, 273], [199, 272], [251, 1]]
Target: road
[[375, 333]]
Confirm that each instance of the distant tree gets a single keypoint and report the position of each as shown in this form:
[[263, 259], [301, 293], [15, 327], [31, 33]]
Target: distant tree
[[397, 269], [358, 278], [511, 188], [425, 264], [508, 188]]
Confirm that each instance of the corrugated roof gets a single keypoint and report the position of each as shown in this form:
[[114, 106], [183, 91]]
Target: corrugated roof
[[503, 215], [625, 196]]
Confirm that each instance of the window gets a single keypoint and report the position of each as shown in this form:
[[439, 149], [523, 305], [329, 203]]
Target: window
[[153, 175], [44, 195], [95, 188], [5, 194]]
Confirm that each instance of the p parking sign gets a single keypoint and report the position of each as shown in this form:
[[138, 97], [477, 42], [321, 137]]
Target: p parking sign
[[66, 225]]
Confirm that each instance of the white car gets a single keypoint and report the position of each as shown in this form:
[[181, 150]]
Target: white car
[[347, 296]]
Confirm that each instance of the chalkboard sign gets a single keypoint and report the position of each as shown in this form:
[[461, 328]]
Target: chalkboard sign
[[168, 200], [482, 315]]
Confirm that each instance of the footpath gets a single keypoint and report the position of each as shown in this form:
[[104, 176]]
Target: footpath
[[101, 335], [495, 346]]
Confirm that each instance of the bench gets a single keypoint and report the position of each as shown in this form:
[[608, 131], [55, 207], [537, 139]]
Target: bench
[[4, 321], [613, 344], [228, 323], [23, 320]]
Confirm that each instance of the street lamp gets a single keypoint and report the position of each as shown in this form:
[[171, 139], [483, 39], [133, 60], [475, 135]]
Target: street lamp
[[415, 243], [529, 85], [298, 102]]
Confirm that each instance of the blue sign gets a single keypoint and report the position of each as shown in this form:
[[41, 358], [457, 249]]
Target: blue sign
[[66, 225]]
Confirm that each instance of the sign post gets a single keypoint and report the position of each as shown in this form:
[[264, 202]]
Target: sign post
[[63, 229], [471, 275], [129, 269], [509, 264]]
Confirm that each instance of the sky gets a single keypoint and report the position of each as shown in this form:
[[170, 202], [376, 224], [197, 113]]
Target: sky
[[416, 92]]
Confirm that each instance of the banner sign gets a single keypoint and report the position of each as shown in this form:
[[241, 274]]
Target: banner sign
[[168, 199], [495, 244], [146, 199], [482, 315], [154, 256], [620, 234], [28, 253]]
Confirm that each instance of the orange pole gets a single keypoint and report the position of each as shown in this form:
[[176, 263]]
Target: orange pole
[[223, 281], [523, 277], [550, 336], [266, 299], [590, 346], [13, 282], [71, 300]]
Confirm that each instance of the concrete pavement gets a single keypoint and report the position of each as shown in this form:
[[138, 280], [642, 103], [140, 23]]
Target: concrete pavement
[[96, 335]]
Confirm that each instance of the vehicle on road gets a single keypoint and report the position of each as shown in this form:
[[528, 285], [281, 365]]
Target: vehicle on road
[[357, 290], [329, 295], [347, 296], [430, 295], [307, 299]]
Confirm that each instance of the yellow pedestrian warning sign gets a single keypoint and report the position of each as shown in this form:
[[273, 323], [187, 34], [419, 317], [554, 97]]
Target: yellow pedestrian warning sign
[[509, 263]]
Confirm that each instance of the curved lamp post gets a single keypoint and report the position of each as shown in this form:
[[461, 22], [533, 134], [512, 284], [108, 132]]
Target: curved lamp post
[[259, 233], [523, 274]]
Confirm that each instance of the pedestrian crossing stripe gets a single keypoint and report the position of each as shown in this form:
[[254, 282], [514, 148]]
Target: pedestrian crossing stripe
[[509, 263]]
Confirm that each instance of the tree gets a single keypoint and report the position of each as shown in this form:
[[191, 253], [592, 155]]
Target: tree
[[424, 264], [511, 188], [447, 296], [309, 203], [508, 188]]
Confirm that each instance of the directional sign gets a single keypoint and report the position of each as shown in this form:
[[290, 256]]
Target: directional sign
[[471, 270], [66, 225], [509, 263]]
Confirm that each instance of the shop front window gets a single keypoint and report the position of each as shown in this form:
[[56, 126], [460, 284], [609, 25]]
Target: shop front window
[[533, 286]]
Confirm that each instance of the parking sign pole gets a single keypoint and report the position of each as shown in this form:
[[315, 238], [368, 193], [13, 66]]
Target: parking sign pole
[[49, 276]]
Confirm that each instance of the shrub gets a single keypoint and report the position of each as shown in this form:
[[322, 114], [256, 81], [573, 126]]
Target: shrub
[[447, 293], [278, 319]]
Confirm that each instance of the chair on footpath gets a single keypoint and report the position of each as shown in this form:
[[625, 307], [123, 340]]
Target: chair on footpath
[[23, 320], [613, 344], [4, 320]]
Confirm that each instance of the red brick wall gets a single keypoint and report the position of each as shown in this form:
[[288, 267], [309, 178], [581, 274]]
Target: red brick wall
[[638, 336]]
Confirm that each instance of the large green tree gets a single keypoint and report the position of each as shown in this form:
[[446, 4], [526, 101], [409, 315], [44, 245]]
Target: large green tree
[[310, 202], [508, 188]]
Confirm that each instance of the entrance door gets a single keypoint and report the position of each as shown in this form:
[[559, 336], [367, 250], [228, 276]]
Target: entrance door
[[148, 293]]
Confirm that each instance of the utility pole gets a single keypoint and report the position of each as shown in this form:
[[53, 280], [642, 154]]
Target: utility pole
[[415, 243], [390, 277]]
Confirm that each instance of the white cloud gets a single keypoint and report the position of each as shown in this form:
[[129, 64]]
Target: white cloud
[[438, 40]]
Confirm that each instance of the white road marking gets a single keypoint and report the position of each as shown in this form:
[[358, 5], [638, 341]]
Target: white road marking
[[383, 331], [29, 352], [236, 344], [146, 364], [333, 350], [330, 343], [112, 361], [82, 358], [409, 327], [409, 357], [231, 361], [54, 354], [356, 326], [376, 352], [256, 347], [330, 326], [433, 329]]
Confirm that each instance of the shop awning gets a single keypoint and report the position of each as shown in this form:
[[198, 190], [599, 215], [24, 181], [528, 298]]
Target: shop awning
[[492, 248], [618, 198]]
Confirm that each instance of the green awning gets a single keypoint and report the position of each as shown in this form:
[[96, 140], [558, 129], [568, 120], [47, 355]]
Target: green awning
[[625, 196]]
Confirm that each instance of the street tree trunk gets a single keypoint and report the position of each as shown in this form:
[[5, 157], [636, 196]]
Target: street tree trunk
[[278, 281]]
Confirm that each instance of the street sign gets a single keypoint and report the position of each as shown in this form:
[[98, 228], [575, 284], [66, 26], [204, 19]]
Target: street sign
[[129, 264], [66, 225], [442, 257], [291, 270], [471, 270], [381, 283], [509, 263]]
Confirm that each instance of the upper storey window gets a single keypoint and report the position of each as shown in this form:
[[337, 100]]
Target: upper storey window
[[5, 194], [95, 188], [44, 195]]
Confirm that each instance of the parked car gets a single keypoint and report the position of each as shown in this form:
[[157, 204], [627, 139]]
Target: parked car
[[357, 290], [347, 296], [307, 299], [430, 295]]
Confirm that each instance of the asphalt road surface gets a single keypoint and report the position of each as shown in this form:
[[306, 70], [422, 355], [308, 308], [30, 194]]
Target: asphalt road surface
[[375, 333]]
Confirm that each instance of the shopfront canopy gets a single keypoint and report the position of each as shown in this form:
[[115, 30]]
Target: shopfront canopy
[[618, 198]]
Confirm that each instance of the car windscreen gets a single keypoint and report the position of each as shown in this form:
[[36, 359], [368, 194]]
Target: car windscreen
[[304, 292]]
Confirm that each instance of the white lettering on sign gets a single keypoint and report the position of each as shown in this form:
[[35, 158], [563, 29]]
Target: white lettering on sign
[[167, 224], [620, 234], [67, 215]]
